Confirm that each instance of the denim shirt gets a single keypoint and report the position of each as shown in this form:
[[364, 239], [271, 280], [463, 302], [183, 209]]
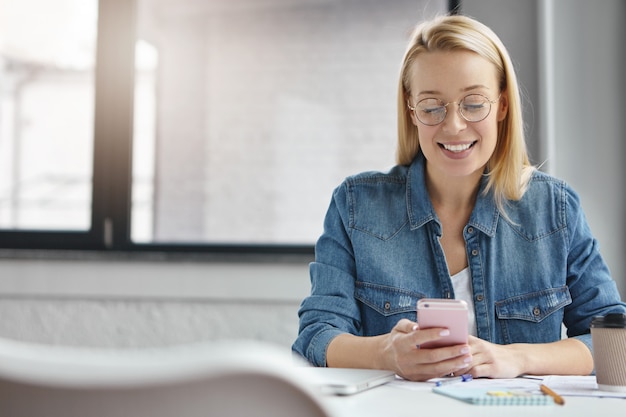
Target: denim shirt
[[531, 273]]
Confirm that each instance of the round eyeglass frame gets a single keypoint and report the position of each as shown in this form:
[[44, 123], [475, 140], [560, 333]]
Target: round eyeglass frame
[[459, 103]]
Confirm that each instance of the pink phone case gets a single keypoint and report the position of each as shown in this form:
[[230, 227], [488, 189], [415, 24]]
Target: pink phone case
[[451, 314]]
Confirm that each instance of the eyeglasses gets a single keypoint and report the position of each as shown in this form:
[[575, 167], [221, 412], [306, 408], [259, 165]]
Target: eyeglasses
[[473, 108]]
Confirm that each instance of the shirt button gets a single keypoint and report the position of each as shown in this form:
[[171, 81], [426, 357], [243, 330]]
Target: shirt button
[[479, 297], [470, 230], [536, 311], [387, 306], [474, 252]]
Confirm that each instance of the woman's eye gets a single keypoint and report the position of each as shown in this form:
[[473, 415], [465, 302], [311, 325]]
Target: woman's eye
[[469, 107], [473, 103], [430, 110]]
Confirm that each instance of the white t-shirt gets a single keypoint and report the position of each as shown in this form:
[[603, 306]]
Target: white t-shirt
[[462, 284]]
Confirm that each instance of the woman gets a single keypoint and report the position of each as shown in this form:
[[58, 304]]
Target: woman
[[463, 215]]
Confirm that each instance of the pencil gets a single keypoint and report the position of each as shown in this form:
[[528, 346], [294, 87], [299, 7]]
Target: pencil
[[556, 397]]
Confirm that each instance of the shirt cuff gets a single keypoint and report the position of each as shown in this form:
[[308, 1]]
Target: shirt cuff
[[316, 353]]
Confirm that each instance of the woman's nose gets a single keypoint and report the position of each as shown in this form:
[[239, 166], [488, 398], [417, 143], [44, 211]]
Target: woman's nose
[[454, 122]]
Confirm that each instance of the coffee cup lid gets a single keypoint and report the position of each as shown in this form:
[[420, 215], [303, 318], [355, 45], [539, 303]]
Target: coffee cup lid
[[612, 320]]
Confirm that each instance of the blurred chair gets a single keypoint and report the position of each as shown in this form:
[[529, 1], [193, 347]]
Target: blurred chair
[[219, 379]]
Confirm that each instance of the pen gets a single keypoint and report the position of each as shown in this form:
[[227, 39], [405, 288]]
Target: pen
[[453, 380], [556, 397]]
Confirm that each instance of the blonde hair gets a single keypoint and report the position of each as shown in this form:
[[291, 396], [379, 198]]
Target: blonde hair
[[509, 168]]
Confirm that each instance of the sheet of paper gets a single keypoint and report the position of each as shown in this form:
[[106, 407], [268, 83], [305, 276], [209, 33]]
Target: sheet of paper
[[517, 384], [569, 386], [578, 386], [414, 386]]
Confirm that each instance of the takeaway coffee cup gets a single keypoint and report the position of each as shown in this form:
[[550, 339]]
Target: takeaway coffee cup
[[608, 336]]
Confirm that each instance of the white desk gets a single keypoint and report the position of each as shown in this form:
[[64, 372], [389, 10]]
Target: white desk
[[394, 401]]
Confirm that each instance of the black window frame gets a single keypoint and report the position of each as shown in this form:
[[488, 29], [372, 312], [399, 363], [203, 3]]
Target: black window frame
[[112, 160]]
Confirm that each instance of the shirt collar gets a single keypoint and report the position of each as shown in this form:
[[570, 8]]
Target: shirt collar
[[420, 209]]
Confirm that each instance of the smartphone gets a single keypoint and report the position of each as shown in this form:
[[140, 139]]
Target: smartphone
[[440, 312]]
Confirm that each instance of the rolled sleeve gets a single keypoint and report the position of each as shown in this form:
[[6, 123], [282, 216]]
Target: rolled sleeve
[[331, 308], [593, 290]]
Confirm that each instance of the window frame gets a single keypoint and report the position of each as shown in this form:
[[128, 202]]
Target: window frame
[[112, 160]]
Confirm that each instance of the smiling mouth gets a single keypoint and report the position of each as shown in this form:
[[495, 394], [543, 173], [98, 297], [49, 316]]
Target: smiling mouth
[[457, 148]]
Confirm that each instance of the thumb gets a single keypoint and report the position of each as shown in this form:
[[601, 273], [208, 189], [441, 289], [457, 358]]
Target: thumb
[[406, 326]]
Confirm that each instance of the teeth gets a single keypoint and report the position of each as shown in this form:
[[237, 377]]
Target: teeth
[[457, 148]]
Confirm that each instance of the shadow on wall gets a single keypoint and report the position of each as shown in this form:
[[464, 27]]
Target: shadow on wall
[[622, 110]]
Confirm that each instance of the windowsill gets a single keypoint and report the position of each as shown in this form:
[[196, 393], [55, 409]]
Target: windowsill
[[223, 277], [223, 256]]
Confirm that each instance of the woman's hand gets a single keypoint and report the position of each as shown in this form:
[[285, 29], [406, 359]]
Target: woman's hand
[[563, 357], [401, 353], [495, 361]]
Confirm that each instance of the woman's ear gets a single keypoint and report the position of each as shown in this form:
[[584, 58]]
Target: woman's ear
[[503, 106]]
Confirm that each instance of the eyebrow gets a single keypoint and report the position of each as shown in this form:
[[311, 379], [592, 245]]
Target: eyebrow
[[463, 90]]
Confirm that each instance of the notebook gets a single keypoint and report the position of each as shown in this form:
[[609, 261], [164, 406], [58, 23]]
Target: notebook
[[494, 396], [344, 381]]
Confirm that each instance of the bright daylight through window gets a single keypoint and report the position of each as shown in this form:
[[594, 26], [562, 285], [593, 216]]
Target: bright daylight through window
[[47, 55]]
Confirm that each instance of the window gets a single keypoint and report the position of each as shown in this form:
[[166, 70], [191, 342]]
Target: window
[[204, 124]]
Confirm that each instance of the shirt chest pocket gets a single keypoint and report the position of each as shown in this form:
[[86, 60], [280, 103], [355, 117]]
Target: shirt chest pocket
[[534, 306], [386, 300], [533, 317]]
